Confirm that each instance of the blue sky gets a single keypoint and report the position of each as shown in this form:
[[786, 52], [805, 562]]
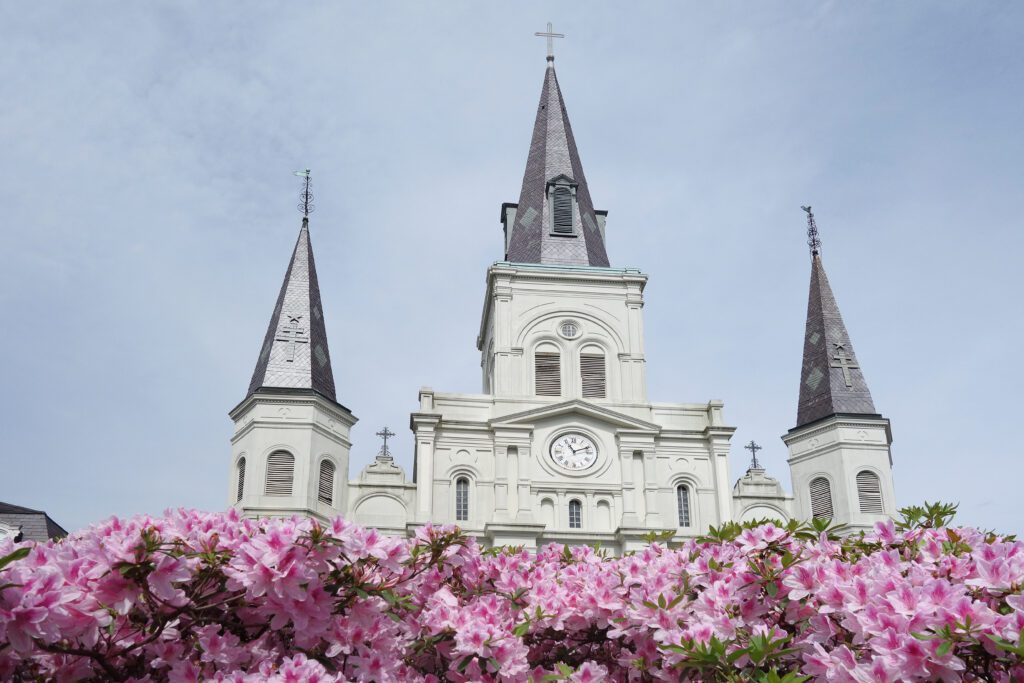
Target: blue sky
[[147, 212]]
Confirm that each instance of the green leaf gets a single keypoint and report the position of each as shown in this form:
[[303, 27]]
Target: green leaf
[[19, 554], [944, 648]]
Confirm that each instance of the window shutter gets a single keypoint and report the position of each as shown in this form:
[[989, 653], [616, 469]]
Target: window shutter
[[548, 371], [683, 503], [869, 492], [280, 471], [462, 499], [592, 375], [575, 514], [241, 480], [563, 211], [821, 499], [326, 492]]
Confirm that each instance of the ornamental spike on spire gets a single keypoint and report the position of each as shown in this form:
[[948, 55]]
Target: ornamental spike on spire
[[295, 354], [831, 381], [555, 221]]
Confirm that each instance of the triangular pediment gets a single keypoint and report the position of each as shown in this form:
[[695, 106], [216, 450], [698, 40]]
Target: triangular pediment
[[562, 179], [575, 407]]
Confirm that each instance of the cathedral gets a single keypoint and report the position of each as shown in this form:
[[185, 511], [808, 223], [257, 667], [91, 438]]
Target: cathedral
[[562, 443]]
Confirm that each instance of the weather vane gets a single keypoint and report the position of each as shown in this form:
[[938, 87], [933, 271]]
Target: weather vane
[[385, 434], [754, 448], [812, 232], [551, 40], [306, 203]]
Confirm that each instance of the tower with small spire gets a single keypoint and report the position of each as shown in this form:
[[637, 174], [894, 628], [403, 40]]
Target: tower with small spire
[[290, 449], [839, 450]]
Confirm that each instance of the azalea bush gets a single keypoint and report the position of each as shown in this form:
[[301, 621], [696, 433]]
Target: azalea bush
[[195, 596]]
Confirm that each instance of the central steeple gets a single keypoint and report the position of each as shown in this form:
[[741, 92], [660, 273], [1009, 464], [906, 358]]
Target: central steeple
[[555, 222]]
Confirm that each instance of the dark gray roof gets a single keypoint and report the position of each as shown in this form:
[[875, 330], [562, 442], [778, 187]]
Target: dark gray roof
[[553, 153], [825, 388], [35, 525], [295, 353]]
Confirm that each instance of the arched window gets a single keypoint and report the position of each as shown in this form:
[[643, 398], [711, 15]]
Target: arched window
[[563, 211], [575, 514], [280, 472], [821, 498], [462, 499], [869, 492], [240, 479], [683, 504], [326, 489], [548, 370], [592, 372]]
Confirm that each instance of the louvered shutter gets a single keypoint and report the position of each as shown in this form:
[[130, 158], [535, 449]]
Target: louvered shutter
[[280, 472], [241, 480], [326, 489], [548, 372], [869, 492], [563, 210], [821, 499], [592, 375], [683, 503]]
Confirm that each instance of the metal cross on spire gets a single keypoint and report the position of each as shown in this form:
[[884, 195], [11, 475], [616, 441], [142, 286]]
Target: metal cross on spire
[[812, 232], [550, 35], [306, 197], [753, 448], [385, 434]]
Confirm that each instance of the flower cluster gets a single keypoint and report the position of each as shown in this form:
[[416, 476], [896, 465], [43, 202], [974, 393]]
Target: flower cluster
[[195, 596]]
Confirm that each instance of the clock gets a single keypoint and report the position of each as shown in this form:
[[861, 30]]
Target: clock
[[573, 451]]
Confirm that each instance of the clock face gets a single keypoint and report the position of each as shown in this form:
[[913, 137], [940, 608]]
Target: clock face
[[573, 451]]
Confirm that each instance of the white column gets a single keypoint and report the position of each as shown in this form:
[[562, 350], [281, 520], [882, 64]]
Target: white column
[[501, 483], [513, 480], [424, 429], [629, 516], [653, 516]]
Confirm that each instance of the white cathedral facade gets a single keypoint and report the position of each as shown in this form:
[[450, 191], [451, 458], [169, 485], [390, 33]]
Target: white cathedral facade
[[562, 444]]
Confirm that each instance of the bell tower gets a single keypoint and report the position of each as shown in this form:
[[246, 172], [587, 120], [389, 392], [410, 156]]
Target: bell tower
[[839, 454], [291, 445]]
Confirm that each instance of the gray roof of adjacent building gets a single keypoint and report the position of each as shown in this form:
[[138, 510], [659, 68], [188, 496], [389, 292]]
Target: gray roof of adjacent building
[[553, 154], [831, 380], [295, 354], [35, 525]]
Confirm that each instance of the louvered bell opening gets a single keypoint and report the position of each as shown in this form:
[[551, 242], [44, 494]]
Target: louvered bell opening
[[563, 211], [683, 503], [548, 373], [592, 375], [869, 492], [241, 480], [280, 470], [575, 514], [821, 499], [326, 489], [462, 499]]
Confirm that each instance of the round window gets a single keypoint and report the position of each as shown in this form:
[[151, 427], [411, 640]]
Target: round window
[[569, 329]]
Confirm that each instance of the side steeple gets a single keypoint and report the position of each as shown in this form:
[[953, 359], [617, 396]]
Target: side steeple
[[295, 354], [831, 381], [290, 448], [555, 222], [839, 457]]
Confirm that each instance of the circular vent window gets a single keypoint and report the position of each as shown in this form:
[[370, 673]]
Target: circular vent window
[[569, 329]]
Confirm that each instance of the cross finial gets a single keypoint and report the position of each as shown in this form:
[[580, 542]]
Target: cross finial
[[385, 434], [550, 35], [753, 448], [812, 232], [305, 197]]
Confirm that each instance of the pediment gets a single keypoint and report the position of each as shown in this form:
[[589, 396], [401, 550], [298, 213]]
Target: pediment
[[575, 407], [562, 179]]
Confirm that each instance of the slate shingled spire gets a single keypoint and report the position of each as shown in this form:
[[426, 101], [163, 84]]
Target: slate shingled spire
[[553, 157], [831, 381], [295, 353]]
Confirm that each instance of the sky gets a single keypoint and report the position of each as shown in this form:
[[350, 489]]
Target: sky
[[148, 211]]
